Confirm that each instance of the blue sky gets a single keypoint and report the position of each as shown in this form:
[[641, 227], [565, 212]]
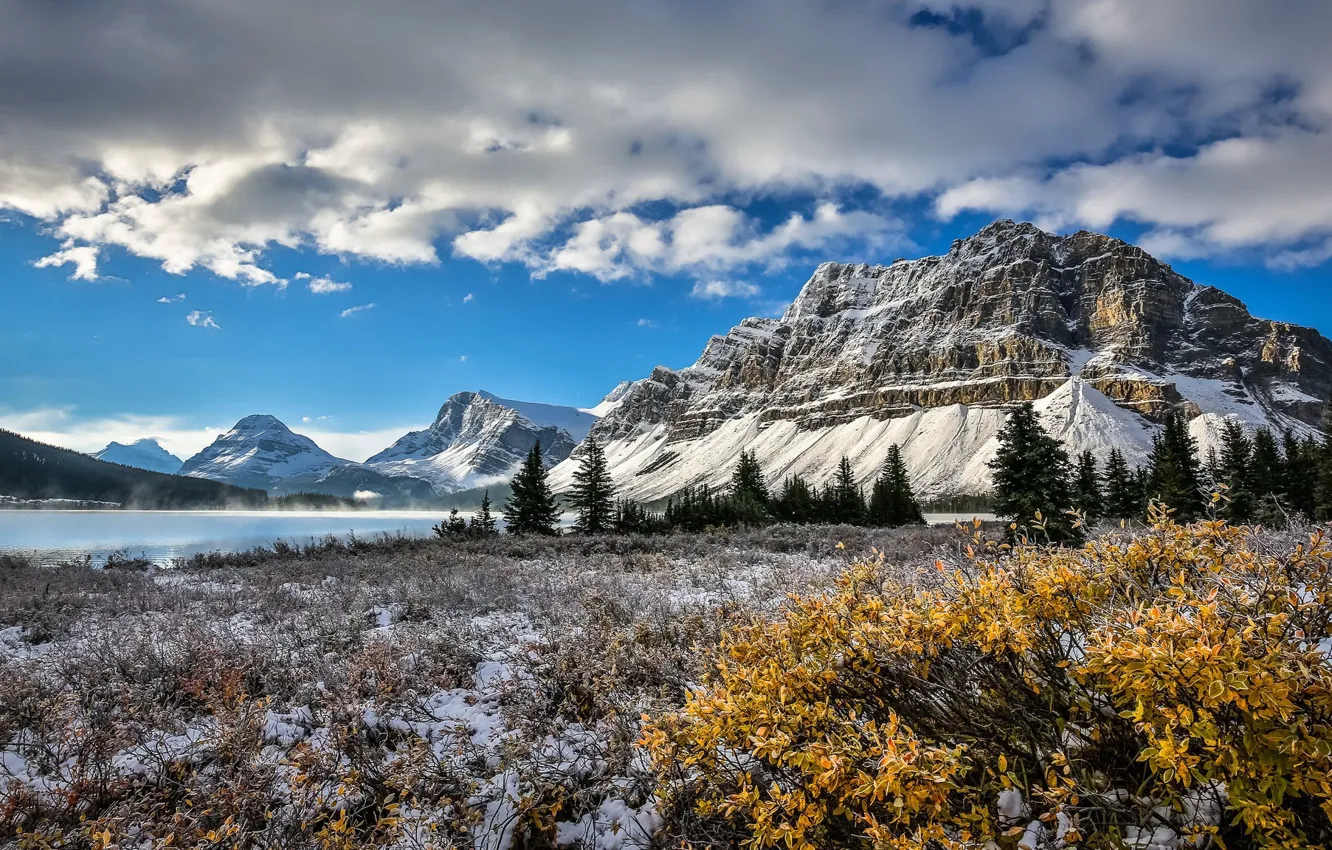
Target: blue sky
[[544, 201]]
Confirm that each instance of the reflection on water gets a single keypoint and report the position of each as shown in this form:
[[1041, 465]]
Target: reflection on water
[[162, 535]]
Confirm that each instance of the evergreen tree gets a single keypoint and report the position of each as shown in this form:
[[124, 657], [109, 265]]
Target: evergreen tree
[[1031, 471], [1087, 496], [892, 503], [482, 523], [593, 492], [531, 508], [848, 500], [1233, 472], [1323, 506], [747, 502], [796, 503], [1299, 474], [454, 526], [633, 518], [1123, 495], [1265, 475], [1173, 471]]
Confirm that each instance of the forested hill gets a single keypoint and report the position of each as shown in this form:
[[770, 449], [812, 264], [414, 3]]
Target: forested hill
[[33, 470]]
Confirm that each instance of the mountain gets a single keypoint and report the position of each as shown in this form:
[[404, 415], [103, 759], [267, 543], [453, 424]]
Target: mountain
[[931, 353], [478, 438], [262, 452], [141, 454], [32, 470]]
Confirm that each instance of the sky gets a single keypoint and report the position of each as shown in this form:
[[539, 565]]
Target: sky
[[340, 212]]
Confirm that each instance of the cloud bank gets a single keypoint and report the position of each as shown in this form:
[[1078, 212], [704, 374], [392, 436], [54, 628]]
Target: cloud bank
[[620, 139]]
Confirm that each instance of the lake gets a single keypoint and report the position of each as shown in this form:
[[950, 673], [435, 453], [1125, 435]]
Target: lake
[[162, 535]]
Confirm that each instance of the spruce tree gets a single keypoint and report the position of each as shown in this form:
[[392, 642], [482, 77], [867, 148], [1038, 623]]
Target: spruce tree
[[1265, 474], [1323, 506], [1299, 474], [1173, 476], [1233, 472], [1087, 495], [748, 501], [892, 502], [482, 523], [593, 492], [454, 526], [796, 503], [849, 501], [531, 508], [1031, 471], [1123, 496]]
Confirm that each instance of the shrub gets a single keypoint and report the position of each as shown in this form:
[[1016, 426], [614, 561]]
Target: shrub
[[1166, 690]]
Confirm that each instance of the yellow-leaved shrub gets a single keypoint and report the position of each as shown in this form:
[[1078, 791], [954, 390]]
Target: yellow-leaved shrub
[[1165, 689]]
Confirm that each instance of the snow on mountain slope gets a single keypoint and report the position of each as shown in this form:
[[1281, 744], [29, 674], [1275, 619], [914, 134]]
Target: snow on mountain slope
[[478, 438], [931, 353], [571, 419], [260, 451], [611, 401], [141, 454]]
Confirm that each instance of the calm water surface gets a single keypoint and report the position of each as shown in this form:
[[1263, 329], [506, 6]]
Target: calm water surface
[[163, 535]]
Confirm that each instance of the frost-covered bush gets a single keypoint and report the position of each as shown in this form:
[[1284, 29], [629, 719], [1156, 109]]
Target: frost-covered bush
[[1167, 689]]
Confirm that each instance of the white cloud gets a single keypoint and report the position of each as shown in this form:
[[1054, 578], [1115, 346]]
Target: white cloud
[[712, 289], [645, 323], [359, 308], [542, 133], [324, 285], [462, 358], [200, 319], [172, 299], [82, 257], [468, 298]]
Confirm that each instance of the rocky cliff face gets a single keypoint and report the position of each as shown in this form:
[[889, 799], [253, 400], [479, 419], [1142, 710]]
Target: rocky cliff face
[[478, 438], [927, 352]]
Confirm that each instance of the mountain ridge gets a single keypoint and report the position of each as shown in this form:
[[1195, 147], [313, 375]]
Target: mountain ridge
[[945, 344], [145, 453]]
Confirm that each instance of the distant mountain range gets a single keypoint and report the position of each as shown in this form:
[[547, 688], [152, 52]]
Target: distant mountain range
[[142, 454], [929, 354], [36, 471]]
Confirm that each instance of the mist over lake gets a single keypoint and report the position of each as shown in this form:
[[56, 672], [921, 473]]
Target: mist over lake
[[162, 535]]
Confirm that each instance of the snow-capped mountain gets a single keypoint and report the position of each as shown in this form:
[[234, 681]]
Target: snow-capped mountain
[[141, 454], [478, 438], [931, 353], [262, 452]]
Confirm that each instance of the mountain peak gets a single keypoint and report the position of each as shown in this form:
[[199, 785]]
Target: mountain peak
[[144, 453]]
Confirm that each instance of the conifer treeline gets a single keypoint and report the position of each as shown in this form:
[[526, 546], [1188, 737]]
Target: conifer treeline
[[1257, 478], [747, 501]]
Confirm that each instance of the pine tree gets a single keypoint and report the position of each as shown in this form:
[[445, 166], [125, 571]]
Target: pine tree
[[1031, 471], [892, 502], [1323, 506], [1265, 473], [633, 518], [848, 500], [1173, 476], [454, 526], [796, 503], [593, 492], [531, 508], [1123, 495], [1233, 472], [1087, 496], [748, 501], [1299, 474], [482, 523]]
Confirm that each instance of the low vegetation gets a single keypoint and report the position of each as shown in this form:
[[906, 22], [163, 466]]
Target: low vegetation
[[1165, 687]]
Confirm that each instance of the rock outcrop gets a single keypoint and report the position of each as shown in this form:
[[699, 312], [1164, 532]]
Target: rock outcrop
[[1011, 314]]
